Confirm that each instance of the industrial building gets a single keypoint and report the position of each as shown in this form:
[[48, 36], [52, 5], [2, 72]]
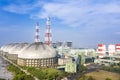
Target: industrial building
[[111, 50], [42, 54], [65, 44], [108, 55], [37, 54]]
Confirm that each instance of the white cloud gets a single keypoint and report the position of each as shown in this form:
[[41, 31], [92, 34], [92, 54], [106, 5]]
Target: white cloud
[[22, 9], [74, 14], [94, 20]]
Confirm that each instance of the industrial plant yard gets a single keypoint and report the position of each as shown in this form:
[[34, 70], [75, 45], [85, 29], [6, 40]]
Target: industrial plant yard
[[102, 75]]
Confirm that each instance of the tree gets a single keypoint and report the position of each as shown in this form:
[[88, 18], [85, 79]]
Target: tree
[[90, 78], [23, 77], [83, 77], [82, 68], [108, 79]]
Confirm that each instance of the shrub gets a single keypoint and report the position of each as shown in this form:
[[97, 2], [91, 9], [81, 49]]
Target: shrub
[[108, 79], [90, 78]]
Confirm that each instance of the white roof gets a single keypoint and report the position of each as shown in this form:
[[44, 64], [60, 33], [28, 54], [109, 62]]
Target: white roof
[[37, 50], [18, 48], [8, 47]]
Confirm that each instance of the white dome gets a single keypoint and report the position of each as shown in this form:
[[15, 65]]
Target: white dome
[[37, 50], [4, 47], [11, 47], [8, 47], [18, 48]]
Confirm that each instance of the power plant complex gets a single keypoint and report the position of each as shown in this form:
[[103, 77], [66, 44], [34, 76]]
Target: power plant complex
[[58, 55], [37, 54]]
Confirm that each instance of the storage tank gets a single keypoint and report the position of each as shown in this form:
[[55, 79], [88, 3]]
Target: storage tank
[[101, 50], [118, 47], [111, 49]]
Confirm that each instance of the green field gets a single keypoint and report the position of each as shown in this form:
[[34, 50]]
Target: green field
[[102, 75]]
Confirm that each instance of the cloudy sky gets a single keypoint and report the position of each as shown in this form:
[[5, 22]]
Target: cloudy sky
[[84, 22]]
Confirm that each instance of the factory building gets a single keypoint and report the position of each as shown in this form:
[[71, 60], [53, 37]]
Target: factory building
[[64, 61], [63, 44]]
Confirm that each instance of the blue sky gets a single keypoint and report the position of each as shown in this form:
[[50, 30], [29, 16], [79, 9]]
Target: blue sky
[[85, 22]]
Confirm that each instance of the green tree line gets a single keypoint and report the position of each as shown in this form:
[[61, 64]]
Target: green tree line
[[18, 74]]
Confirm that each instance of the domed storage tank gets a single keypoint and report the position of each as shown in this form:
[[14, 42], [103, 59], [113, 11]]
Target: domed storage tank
[[15, 50], [38, 54], [6, 48]]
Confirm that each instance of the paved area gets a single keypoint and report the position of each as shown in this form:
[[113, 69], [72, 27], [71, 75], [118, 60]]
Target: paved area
[[4, 73]]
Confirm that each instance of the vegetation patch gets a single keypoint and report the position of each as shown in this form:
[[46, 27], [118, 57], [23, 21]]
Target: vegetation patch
[[111, 68], [104, 75], [47, 73], [18, 74]]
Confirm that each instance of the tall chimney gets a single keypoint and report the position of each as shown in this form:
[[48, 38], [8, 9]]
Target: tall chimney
[[48, 35], [37, 39]]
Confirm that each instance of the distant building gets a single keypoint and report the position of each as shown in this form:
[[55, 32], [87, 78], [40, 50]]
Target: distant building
[[63, 61], [69, 44], [58, 44], [64, 44], [54, 45]]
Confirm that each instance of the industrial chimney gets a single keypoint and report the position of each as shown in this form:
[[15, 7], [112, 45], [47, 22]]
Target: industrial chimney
[[48, 35], [37, 33]]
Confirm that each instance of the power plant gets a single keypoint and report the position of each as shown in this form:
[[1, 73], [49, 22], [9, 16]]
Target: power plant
[[57, 55], [37, 54]]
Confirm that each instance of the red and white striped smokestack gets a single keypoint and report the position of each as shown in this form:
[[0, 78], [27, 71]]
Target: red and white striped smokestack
[[48, 35], [118, 47], [37, 33], [101, 50]]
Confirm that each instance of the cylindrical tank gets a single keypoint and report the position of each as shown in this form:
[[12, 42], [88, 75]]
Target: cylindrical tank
[[101, 50], [111, 49], [118, 47]]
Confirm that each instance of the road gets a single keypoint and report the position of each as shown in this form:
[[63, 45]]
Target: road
[[4, 73]]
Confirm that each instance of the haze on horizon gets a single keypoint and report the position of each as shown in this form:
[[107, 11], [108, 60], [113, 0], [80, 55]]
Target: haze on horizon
[[84, 22]]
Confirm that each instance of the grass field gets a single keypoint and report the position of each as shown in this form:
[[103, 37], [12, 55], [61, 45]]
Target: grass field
[[102, 75]]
